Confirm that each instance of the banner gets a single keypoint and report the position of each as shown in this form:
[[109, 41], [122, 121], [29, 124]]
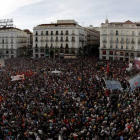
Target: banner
[[17, 77], [113, 84], [134, 82], [2, 63], [130, 67], [137, 63]]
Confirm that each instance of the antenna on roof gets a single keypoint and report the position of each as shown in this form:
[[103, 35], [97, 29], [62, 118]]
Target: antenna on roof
[[106, 21]]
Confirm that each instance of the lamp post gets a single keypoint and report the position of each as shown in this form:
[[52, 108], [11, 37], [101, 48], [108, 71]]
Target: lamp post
[[81, 52]]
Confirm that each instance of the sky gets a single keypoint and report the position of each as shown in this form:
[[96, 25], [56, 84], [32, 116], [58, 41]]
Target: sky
[[30, 13]]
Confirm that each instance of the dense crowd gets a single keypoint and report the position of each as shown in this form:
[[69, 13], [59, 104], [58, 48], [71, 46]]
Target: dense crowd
[[74, 104]]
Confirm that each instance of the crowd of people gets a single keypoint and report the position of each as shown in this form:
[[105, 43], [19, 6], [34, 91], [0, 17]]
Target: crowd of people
[[73, 104]]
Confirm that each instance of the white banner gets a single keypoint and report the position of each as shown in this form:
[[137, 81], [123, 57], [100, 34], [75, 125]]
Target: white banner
[[2, 63], [130, 67], [17, 77]]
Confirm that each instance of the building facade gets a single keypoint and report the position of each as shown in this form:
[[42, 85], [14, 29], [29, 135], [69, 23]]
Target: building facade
[[93, 36], [11, 41], [119, 40], [60, 39], [93, 40], [29, 42]]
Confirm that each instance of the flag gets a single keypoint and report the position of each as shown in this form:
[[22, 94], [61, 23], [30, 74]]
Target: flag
[[136, 83], [17, 77], [97, 78], [79, 79], [66, 91], [60, 137], [21, 77], [0, 98], [108, 68]]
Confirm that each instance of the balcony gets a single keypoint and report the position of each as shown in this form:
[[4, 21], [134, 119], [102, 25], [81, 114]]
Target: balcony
[[67, 34], [6, 42], [104, 41], [61, 40], [73, 34], [72, 40], [61, 34], [36, 34], [104, 34], [66, 40], [57, 40], [121, 41], [11, 42], [111, 41], [139, 42], [42, 34], [36, 40], [51, 34], [132, 42], [41, 40], [56, 34], [117, 41], [22, 42], [47, 40], [111, 34], [127, 41], [51, 40], [133, 34]]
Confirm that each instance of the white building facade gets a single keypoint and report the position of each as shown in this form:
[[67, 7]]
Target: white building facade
[[59, 39], [11, 40], [119, 40]]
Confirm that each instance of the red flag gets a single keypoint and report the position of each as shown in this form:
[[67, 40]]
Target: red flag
[[108, 68], [0, 98], [136, 83]]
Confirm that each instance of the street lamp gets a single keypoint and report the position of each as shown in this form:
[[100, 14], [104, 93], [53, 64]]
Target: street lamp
[[81, 52]]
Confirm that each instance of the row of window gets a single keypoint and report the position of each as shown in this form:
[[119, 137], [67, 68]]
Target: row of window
[[116, 53], [120, 33], [73, 38], [122, 47], [61, 46], [56, 51], [56, 33], [61, 39], [111, 58], [104, 38]]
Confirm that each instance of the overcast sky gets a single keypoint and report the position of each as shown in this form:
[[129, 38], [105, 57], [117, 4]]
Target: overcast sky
[[29, 13]]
